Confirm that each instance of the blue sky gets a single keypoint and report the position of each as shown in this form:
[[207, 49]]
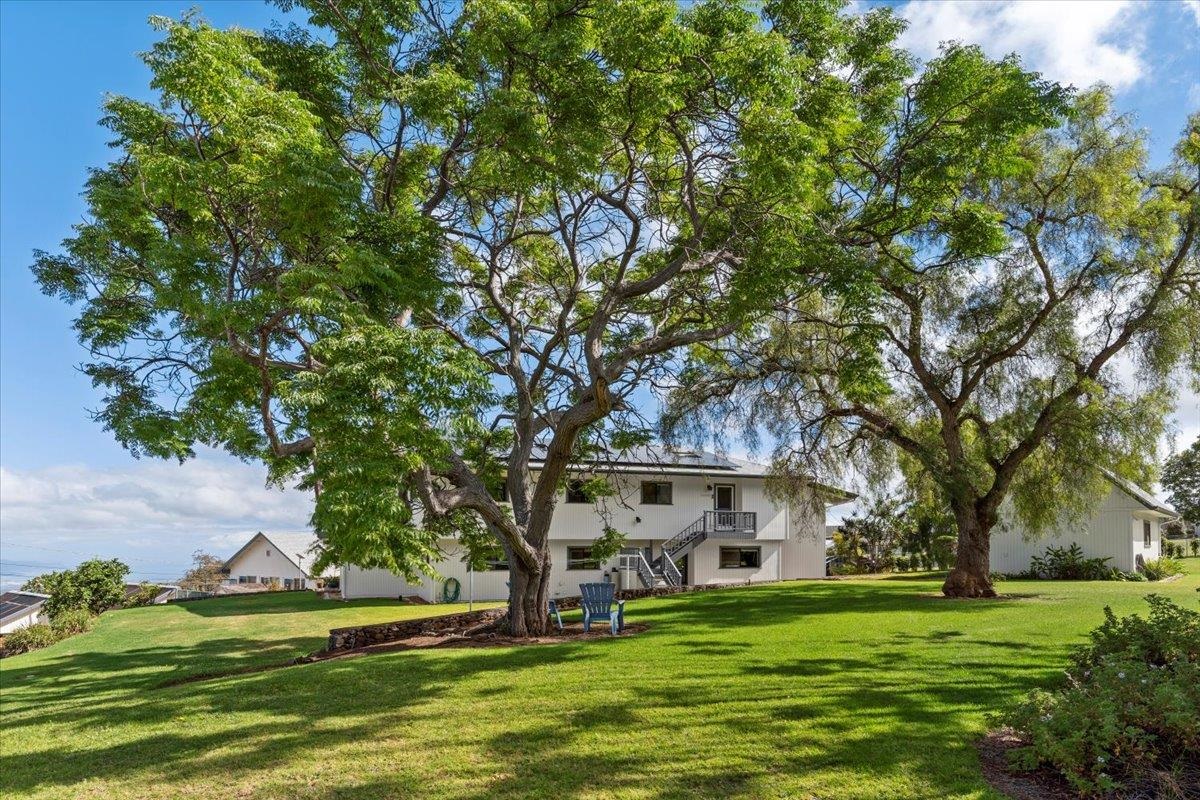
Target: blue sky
[[67, 491]]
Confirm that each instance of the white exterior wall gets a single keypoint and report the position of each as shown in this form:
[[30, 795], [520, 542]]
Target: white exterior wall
[[263, 560], [1114, 531], [791, 538], [34, 616]]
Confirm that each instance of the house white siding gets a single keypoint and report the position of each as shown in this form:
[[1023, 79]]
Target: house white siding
[[789, 536], [1114, 531], [34, 616], [262, 561]]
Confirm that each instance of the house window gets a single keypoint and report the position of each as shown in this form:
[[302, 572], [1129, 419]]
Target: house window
[[495, 565], [268, 553], [656, 493], [581, 558], [247, 579], [1146, 534], [740, 557], [575, 492]]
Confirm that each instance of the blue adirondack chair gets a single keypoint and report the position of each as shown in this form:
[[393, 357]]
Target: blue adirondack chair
[[597, 604]]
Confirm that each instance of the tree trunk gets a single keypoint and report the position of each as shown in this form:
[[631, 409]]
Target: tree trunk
[[528, 596], [970, 576]]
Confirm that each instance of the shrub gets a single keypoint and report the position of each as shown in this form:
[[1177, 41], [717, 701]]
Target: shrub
[[1161, 568], [1170, 549], [902, 564], [1069, 564], [1194, 546], [71, 622], [31, 637], [144, 596], [1129, 715]]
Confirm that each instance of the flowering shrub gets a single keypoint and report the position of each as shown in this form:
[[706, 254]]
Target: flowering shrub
[[1129, 715]]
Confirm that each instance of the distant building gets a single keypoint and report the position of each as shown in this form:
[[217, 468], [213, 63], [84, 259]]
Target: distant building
[[1126, 529], [285, 558], [21, 609]]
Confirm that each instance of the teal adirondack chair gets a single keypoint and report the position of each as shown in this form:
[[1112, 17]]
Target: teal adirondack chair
[[597, 604]]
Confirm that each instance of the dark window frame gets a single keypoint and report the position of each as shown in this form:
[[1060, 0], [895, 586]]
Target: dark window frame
[[1147, 534], [574, 561], [495, 565], [656, 498], [741, 551], [575, 491]]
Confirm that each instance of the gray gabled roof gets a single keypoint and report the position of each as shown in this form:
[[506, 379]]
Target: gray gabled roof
[[1139, 494]]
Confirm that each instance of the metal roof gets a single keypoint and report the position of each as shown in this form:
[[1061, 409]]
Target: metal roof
[[1141, 495], [15, 605]]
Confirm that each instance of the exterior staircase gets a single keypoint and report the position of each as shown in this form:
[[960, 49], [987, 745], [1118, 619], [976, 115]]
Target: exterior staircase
[[663, 571]]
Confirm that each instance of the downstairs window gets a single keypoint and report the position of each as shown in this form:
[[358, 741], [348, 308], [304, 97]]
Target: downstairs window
[[740, 558]]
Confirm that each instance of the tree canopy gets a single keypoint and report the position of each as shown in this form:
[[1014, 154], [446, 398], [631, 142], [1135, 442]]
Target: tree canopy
[[409, 252], [1025, 261], [1181, 479]]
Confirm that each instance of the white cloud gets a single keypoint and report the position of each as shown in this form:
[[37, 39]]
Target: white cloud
[[1071, 41], [1194, 7], [152, 514]]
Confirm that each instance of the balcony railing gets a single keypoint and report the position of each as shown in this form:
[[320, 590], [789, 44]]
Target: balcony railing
[[731, 524]]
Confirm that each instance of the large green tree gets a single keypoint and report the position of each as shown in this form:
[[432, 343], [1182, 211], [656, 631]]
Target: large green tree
[[1034, 288], [1181, 479], [415, 250]]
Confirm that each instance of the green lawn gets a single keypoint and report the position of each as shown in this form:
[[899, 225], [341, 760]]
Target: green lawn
[[847, 689]]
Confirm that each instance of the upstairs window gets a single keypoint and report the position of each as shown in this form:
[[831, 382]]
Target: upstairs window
[[575, 492], [656, 493], [1146, 537]]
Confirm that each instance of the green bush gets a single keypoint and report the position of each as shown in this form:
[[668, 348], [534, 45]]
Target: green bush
[[1194, 546], [1170, 549], [1161, 568], [1129, 714], [1069, 564], [31, 637], [144, 596], [72, 621], [902, 564]]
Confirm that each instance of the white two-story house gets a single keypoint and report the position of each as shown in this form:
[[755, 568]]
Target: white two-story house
[[710, 515]]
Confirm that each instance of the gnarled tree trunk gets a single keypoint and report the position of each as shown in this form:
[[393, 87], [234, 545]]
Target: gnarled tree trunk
[[528, 596], [970, 575]]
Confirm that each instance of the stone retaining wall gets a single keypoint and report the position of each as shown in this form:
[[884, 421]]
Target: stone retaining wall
[[365, 635]]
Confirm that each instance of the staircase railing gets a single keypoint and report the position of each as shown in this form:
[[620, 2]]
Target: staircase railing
[[692, 534], [638, 563], [670, 571], [725, 522]]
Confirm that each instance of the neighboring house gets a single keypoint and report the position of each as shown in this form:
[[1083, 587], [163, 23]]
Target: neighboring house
[[1126, 528], [710, 515], [162, 595], [283, 557], [21, 609]]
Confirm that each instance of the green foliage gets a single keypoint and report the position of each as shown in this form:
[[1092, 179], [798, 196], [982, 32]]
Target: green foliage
[[607, 544], [1181, 480], [1129, 715], [31, 637], [72, 621], [867, 543], [1160, 568], [1069, 564], [144, 595], [1194, 547], [205, 574], [94, 586]]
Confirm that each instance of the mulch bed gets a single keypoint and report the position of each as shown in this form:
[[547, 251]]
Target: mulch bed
[[1041, 784], [572, 632]]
